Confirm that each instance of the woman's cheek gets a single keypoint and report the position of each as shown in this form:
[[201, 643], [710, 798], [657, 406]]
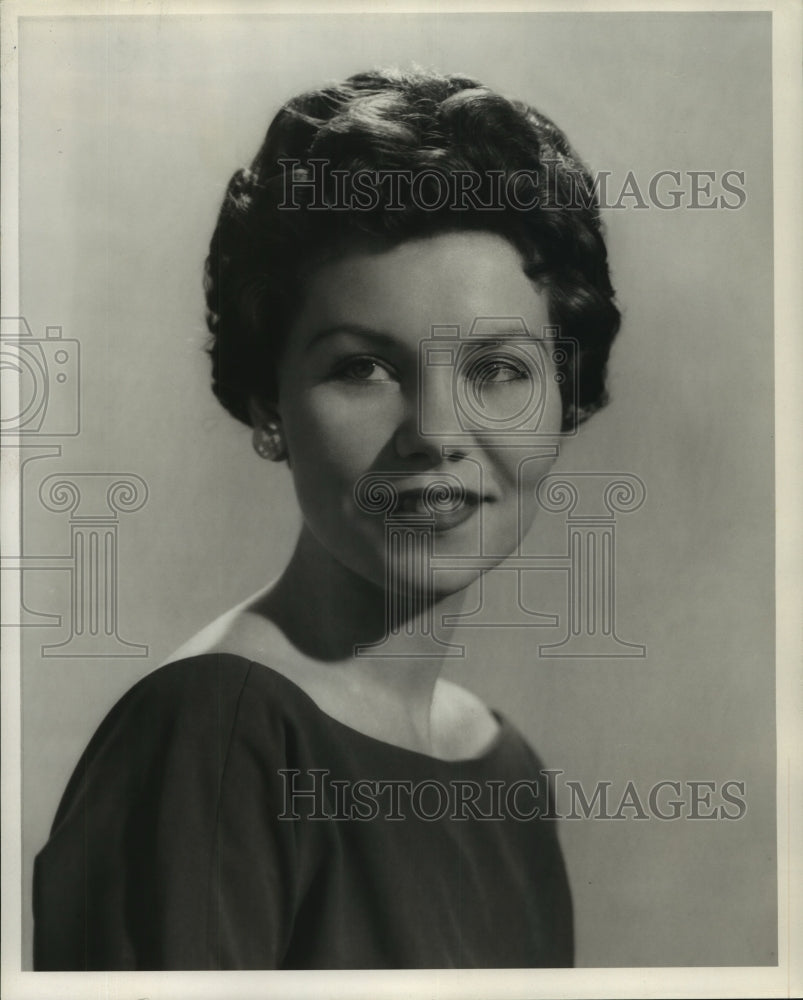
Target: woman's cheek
[[340, 431]]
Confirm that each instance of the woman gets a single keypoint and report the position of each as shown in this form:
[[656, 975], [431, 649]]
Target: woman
[[297, 787]]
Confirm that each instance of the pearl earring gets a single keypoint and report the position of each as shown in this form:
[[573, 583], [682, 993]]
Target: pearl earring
[[269, 442]]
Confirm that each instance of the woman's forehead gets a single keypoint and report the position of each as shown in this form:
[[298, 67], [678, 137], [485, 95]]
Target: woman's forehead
[[452, 278]]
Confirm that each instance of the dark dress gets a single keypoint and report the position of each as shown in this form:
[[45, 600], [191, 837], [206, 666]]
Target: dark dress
[[184, 840]]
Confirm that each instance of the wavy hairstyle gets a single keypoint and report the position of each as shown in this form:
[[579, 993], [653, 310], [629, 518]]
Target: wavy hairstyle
[[262, 252]]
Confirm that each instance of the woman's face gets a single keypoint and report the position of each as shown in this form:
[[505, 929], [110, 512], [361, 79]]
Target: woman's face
[[412, 364]]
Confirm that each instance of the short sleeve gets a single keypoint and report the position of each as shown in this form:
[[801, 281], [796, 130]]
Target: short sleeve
[[165, 852]]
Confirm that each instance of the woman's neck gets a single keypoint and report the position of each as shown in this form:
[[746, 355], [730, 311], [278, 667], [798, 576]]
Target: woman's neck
[[328, 611], [325, 612]]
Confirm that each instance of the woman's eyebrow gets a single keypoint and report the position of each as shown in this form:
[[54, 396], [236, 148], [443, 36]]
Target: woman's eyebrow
[[355, 329], [491, 335], [503, 328]]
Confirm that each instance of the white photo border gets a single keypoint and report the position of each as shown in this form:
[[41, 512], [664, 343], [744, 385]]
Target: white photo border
[[784, 980]]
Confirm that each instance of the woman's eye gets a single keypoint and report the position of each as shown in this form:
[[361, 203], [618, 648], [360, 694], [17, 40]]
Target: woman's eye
[[363, 369], [495, 370]]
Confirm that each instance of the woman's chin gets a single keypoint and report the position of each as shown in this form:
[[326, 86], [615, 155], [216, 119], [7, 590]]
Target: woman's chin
[[440, 585]]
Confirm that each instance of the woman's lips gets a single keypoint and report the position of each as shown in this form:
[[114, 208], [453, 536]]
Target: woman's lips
[[446, 520], [443, 511]]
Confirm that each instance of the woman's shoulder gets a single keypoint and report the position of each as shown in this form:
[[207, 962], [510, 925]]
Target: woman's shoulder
[[182, 723], [192, 686], [190, 696], [175, 774]]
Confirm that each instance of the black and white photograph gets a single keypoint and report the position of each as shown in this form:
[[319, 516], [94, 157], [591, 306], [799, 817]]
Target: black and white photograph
[[401, 483]]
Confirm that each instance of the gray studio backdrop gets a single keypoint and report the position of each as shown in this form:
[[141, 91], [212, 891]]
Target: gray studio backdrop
[[130, 128]]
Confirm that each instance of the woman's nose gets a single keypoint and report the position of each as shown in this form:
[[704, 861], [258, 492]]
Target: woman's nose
[[430, 426]]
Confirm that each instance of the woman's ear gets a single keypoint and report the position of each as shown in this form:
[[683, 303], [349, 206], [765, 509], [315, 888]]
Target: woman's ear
[[268, 436]]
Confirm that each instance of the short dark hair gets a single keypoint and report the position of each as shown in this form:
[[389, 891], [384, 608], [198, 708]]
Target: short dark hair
[[262, 251]]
